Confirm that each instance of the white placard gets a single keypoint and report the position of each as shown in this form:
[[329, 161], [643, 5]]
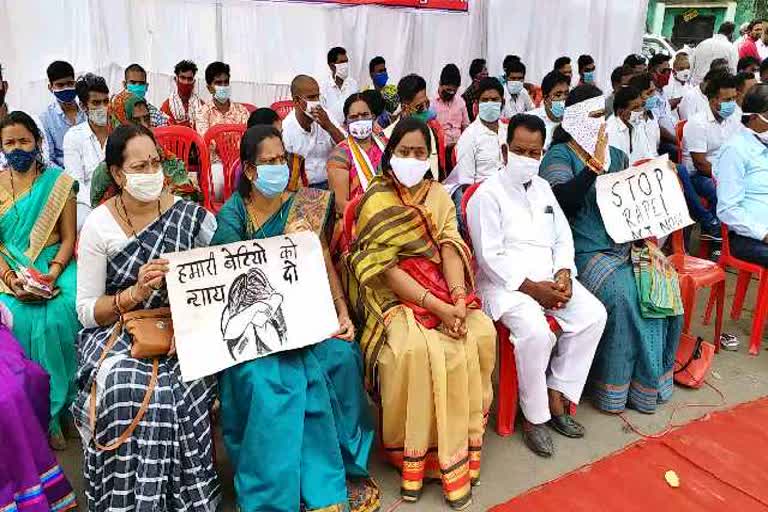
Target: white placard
[[237, 302], [643, 201]]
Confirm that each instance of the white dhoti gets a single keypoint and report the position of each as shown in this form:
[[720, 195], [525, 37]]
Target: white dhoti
[[546, 362]]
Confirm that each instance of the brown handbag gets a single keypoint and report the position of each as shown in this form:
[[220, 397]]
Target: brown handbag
[[152, 332]]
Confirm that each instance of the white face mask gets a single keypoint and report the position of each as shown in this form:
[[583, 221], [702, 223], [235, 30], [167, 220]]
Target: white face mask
[[98, 116], [311, 105], [342, 70], [409, 171], [145, 187], [683, 75], [635, 117], [522, 169], [361, 129]]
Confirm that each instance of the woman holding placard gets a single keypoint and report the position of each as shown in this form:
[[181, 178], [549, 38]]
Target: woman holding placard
[[166, 462], [296, 423], [429, 350], [634, 361]]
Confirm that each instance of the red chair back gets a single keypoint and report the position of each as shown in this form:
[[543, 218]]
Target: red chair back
[[283, 108], [350, 218], [679, 137], [226, 138], [179, 141], [250, 107]]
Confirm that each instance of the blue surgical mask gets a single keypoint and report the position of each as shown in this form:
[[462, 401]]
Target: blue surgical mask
[[20, 160], [380, 79], [558, 108], [271, 179], [65, 95], [727, 108], [588, 77], [489, 111], [651, 102], [139, 90]]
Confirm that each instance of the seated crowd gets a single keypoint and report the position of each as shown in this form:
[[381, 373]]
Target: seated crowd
[[472, 209]]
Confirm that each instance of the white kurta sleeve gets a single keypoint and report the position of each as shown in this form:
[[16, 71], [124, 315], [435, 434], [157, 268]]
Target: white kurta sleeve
[[484, 217], [91, 269], [563, 253]]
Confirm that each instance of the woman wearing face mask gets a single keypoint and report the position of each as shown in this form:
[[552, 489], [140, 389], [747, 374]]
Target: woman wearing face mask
[[84, 143], [308, 433], [354, 161], [38, 226], [121, 270], [429, 351], [127, 110], [634, 360]]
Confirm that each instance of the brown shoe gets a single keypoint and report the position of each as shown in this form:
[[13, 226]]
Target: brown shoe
[[57, 442]]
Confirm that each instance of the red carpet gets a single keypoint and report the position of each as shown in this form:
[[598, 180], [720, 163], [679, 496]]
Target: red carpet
[[721, 460]]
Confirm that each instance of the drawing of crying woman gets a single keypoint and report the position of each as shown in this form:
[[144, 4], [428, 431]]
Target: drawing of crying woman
[[296, 423]]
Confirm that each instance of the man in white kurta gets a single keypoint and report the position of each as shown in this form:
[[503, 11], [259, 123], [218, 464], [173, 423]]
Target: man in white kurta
[[524, 250]]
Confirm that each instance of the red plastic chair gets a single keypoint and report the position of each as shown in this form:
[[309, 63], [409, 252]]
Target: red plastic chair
[[746, 269], [179, 141], [350, 216], [250, 107], [679, 137], [696, 273], [226, 139], [507, 395], [283, 108]]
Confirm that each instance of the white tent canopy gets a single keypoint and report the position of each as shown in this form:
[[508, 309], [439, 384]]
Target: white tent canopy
[[267, 43]]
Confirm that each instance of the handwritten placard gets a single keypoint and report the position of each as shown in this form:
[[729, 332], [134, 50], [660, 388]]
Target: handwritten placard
[[643, 201], [237, 302]]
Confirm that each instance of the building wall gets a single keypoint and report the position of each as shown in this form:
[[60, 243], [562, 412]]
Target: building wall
[[744, 13]]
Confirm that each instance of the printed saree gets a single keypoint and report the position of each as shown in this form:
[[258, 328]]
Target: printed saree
[[296, 424], [434, 392], [46, 330]]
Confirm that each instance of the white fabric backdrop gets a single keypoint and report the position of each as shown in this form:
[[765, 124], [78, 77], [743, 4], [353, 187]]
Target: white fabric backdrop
[[267, 43]]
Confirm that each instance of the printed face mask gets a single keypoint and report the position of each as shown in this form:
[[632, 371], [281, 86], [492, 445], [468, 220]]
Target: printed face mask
[[581, 126], [361, 129]]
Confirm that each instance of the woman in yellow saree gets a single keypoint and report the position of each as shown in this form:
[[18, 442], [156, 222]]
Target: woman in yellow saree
[[37, 232], [429, 350]]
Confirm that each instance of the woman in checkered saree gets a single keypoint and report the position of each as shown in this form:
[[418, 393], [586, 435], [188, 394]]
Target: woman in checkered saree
[[166, 464]]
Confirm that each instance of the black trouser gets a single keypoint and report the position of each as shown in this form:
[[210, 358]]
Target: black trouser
[[749, 249]]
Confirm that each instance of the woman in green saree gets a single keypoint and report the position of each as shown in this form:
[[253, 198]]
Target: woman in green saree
[[38, 226], [296, 424]]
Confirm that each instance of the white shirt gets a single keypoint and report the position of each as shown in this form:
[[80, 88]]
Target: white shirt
[[762, 49], [519, 104], [693, 102], [549, 124], [479, 155], [517, 234], [82, 154], [332, 97], [704, 134], [641, 143], [100, 239], [314, 146], [716, 47], [674, 89]]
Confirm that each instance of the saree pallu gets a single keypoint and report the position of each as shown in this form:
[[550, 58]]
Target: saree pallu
[[296, 424], [167, 462], [46, 330], [434, 391], [30, 477], [633, 365]]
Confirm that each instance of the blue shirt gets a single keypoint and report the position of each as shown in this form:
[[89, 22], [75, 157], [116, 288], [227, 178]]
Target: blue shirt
[[55, 126], [741, 171]]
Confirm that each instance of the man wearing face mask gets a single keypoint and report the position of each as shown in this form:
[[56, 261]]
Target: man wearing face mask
[[339, 85], [481, 150], [554, 87], [679, 84], [703, 135], [84, 144], [62, 113], [742, 185], [629, 129], [516, 99], [309, 131], [525, 254], [184, 103], [587, 68], [136, 83], [377, 69], [451, 110], [414, 102]]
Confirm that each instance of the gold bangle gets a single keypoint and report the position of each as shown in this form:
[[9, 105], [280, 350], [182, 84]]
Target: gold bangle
[[56, 262], [424, 297], [130, 296], [457, 287], [339, 297], [5, 276]]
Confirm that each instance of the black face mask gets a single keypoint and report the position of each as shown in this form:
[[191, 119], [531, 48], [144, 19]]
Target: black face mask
[[447, 96]]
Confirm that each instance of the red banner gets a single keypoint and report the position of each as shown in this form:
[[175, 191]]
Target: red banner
[[448, 5]]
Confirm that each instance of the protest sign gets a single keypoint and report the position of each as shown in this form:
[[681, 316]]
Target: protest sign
[[643, 201], [237, 302]]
